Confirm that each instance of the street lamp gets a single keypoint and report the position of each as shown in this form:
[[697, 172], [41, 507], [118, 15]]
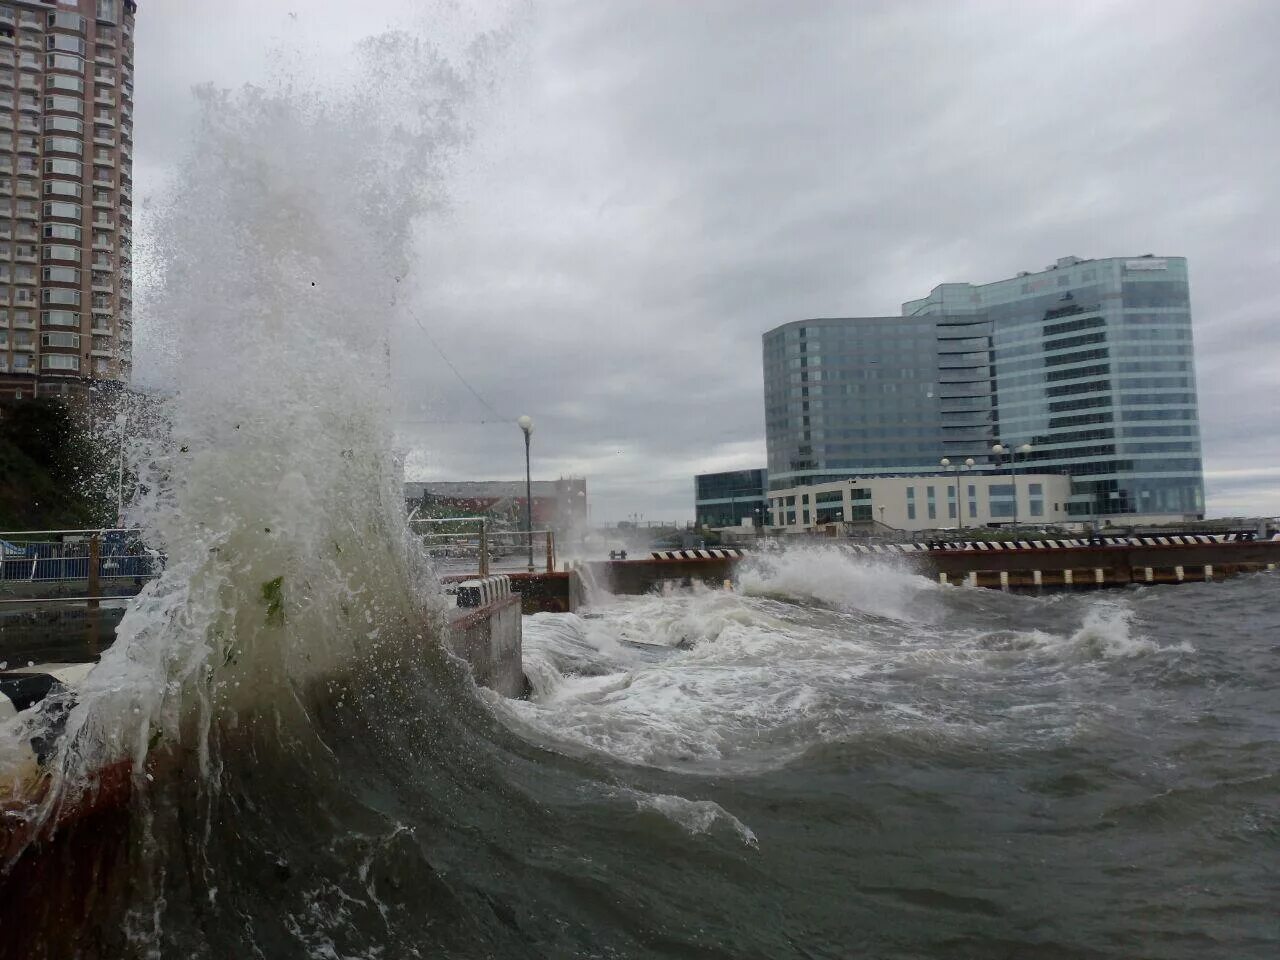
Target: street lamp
[[967, 465], [526, 425], [999, 449]]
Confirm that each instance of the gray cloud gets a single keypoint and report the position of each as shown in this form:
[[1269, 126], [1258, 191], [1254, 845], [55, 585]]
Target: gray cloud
[[659, 183]]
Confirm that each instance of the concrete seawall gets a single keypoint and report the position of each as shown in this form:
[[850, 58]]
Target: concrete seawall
[[489, 639], [1027, 564]]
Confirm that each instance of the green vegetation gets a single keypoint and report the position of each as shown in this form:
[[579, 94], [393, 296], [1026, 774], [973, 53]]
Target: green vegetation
[[273, 594], [49, 477]]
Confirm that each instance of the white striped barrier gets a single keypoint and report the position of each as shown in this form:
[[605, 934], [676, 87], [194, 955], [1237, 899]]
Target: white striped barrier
[[719, 553], [482, 591]]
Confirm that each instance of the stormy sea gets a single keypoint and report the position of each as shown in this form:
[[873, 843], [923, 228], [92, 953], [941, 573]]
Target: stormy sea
[[834, 759]]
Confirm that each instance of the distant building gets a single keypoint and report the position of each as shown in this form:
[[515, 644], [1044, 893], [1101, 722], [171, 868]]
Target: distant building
[[940, 502], [66, 201], [557, 504], [1088, 361], [731, 499]]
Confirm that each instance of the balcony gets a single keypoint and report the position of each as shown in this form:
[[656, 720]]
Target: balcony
[[28, 191], [105, 77], [103, 246], [106, 38], [6, 165], [97, 352], [29, 145], [101, 310], [7, 40], [102, 202], [105, 141], [103, 286], [27, 214], [29, 104], [103, 223], [28, 42], [28, 83], [27, 347], [7, 58]]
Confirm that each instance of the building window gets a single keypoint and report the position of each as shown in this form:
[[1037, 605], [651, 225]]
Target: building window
[[59, 361], [62, 231], [62, 296], [64, 168], [57, 81], [65, 44], [911, 511], [59, 318], [1037, 508], [63, 145], [61, 275], [60, 340], [67, 211], [65, 104]]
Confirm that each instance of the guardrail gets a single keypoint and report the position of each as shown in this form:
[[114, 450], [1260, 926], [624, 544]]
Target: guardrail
[[49, 556], [472, 544]]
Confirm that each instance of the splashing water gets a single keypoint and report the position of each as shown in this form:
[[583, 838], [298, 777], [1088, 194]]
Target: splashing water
[[841, 759]]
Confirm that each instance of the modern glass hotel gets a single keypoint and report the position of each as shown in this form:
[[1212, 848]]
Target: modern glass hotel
[[1088, 361]]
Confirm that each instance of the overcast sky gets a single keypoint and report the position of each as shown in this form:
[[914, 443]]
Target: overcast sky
[[654, 184]]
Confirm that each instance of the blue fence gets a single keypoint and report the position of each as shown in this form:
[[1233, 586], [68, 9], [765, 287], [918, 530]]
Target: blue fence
[[66, 556]]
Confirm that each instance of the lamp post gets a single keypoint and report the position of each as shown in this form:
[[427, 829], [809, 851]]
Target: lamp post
[[526, 426], [966, 465], [1000, 449]]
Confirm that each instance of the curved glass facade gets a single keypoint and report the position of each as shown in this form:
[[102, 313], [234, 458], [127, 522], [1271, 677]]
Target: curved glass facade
[[1089, 361]]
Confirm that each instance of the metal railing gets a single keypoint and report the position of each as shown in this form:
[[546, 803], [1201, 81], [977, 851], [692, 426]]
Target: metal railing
[[475, 544], [55, 556]]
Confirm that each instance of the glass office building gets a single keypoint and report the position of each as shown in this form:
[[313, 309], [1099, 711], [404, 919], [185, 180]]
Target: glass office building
[[1092, 364], [1089, 361], [727, 499], [854, 396]]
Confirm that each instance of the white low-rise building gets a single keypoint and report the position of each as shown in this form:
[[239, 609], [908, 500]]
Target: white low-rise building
[[942, 502]]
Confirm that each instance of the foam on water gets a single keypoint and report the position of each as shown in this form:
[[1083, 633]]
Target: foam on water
[[840, 580], [710, 681]]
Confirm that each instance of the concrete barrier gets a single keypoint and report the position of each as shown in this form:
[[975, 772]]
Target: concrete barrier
[[490, 639]]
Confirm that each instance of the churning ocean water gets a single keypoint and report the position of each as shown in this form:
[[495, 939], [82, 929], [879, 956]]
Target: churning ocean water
[[835, 760]]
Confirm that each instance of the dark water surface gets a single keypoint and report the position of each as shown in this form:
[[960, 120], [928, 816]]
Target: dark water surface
[[858, 766]]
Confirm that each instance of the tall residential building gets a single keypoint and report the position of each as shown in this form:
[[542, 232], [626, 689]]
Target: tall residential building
[[66, 194], [1088, 361]]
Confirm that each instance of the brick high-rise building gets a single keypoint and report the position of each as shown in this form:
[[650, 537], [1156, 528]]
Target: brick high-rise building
[[66, 195]]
